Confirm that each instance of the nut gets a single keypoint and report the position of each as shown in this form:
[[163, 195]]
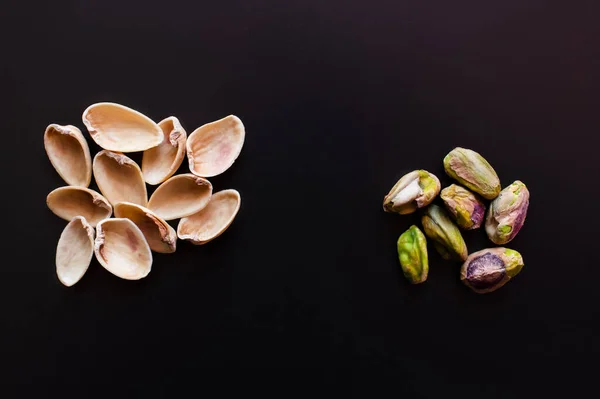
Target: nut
[[507, 213], [466, 208], [414, 190], [471, 170], [446, 237], [487, 270], [412, 252]]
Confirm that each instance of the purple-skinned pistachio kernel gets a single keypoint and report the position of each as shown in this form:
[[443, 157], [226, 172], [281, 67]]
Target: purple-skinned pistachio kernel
[[487, 270], [507, 213], [466, 208]]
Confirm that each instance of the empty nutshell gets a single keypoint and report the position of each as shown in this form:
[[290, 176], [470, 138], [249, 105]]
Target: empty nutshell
[[121, 248], [119, 178], [489, 269], [74, 251], [413, 191], [472, 170], [69, 154], [507, 213], [446, 236], [161, 237], [181, 196], [69, 202], [214, 147], [412, 253], [211, 221], [115, 127], [466, 208], [161, 162]]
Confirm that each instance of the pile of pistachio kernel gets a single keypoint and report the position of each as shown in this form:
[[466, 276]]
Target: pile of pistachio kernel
[[483, 271]]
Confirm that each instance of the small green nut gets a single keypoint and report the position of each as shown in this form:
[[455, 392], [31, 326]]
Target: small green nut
[[471, 170], [446, 237], [507, 213], [414, 190], [412, 252], [487, 270], [467, 208]]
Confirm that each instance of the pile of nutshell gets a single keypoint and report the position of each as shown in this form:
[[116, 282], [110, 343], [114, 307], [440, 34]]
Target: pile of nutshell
[[123, 244], [483, 271]]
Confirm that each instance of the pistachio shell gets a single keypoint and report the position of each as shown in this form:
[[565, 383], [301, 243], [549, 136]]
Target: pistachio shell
[[115, 127], [119, 178], [121, 248], [69, 153], [214, 147], [161, 162], [211, 221], [160, 236], [74, 251], [180, 196], [71, 201]]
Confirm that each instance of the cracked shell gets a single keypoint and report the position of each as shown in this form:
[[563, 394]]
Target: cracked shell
[[214, 147], [161, 162], [119, 178], [116, 127], [160, 236], [211, 221], [121, 248], [180, 196], [70, 201], [69, 153], [74, 251]]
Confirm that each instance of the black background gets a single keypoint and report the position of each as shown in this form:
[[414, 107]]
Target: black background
[[339, 99]]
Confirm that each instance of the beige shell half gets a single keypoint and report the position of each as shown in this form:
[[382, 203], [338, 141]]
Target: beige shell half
[[71, 201], [119, 178], [160, 236], [69, 153], [211, 221], [180, 196], [214, 147], [121, 248], [161, 162], [115, 127], [74, 251]]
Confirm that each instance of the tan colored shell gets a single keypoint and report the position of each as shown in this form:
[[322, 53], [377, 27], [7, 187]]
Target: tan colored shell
[[69, 153], [214, 147], [115, 127], [160, 236], [71, 201], [121, 248], [161, 162], [119, 178], [211, 221], [180, 196], [74, 251]]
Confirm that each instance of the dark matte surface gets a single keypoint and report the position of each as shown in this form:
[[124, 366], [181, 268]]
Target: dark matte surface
[[339, 99]]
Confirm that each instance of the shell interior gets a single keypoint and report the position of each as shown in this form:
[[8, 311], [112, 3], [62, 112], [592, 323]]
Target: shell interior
[[160, 236], [119, 178], [181, 196], [70, 201], [161, 162], [74, 251], [69, 154]]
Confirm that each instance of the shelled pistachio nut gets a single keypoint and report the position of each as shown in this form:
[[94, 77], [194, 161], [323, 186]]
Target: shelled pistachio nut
[[466, 208], [214, 147], [211, 221], [69, 153], [180, 196], [487, 270], [70, 201], [121, 248], [160, 235], [412, 252], [116, 127], [471, 170], [74, 251], [507, 213], [414, 190], [119, 178], [161, 162], [446, 237]]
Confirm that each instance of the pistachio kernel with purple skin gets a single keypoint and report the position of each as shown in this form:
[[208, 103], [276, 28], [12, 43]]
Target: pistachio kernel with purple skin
[[489, 269], [467, 208], [446, 237], [472, 170], [507, 213], [414, 190]]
